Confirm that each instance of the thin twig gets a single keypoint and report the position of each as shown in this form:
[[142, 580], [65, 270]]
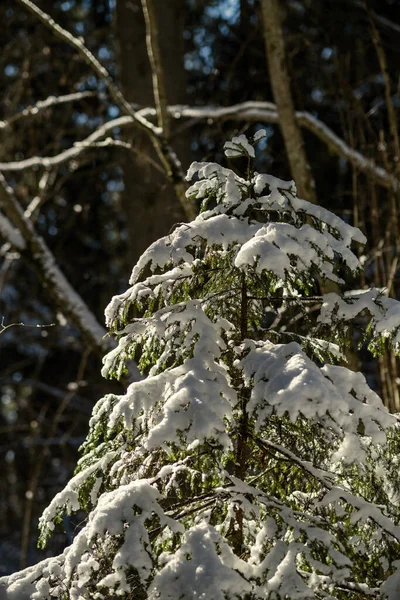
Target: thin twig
[[157, 71], [50, 102], [67, 155], [38, 325], [34, 479]]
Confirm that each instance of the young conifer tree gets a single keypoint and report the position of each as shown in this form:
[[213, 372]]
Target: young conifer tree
[[245, 463]]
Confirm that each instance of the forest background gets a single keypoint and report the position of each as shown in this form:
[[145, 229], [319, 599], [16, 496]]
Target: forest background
[[88, 181]]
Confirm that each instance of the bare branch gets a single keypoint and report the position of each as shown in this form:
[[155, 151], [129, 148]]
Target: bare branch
[[260, 112], [89, 58], [46, 180], [35, 109], [157, 71], [65, 296], [69, 154], [384, 21]]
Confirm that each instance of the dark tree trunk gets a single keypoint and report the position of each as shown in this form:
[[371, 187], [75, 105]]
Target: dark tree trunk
[[149, 201]]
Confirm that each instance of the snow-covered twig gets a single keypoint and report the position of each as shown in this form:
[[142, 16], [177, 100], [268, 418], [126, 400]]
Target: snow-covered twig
[[4, 327], [40, 106]]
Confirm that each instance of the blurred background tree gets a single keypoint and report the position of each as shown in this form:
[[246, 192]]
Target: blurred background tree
[[97, 205]]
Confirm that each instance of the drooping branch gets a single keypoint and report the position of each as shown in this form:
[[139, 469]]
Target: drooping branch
[[266, 112], [337, 145], [37, 251], [165, 153]]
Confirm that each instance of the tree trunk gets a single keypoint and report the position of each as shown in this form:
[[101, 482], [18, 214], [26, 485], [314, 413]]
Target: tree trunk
[[280, 82], [294, 143], [149, 201]]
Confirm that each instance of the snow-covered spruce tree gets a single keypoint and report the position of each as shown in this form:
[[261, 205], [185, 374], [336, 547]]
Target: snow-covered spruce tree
[[246, 463]]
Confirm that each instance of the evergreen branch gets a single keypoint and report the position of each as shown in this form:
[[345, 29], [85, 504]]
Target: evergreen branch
[[351, 587], [358, 502], [290, 456]]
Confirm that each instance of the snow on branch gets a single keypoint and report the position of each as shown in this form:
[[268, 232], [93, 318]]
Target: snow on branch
[[384, 315], [65, 296], [366, 510], [50, 102], [10, 234], [71, 153], [266, 112]]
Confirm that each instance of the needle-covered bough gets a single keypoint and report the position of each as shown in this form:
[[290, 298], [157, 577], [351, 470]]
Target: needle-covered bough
[[247, 462]]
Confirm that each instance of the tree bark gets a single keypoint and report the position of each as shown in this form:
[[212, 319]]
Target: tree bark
[[280, 82], [149, 201]]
